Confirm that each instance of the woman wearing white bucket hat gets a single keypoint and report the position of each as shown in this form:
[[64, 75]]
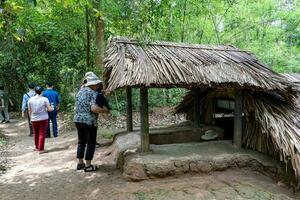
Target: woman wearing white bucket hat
[[100, 99], [86, 115]]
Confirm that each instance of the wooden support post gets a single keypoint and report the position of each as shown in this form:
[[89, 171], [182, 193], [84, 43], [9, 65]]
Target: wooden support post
[[129, 109], [197, 117], [238, 119], [144, 119]]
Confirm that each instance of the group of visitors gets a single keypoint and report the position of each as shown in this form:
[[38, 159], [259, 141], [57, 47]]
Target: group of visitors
[[41, 107]]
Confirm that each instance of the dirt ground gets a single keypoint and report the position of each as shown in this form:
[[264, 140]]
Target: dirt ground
[[52, 176]]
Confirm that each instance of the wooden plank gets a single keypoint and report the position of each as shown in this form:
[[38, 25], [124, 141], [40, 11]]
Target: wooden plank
[[238, 119], [129, 109], [144, 119], [197, 117]]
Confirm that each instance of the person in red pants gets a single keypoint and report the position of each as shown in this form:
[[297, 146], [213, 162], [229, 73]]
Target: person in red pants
[[38, 108]]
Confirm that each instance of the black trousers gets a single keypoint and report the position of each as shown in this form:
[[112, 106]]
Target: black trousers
[[86, 140]]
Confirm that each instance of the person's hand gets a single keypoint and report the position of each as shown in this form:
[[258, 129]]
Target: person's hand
[[48, 107], [97, 109], [10, 102]]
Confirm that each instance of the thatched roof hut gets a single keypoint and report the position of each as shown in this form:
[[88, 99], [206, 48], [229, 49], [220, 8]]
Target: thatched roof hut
[[166, 64], [262, 98]]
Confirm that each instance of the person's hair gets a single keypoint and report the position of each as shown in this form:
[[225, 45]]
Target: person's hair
[[100, 87], [31, 85], [39, 89], [49, 84], [1, 87]]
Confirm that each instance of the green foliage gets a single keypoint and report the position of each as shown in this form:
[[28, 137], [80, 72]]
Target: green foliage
[[153, 194], [157, 98], [46, 40], [40, 44], [2, 141]]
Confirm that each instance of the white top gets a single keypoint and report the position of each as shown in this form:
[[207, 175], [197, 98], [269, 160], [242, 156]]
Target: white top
[[38, 106]]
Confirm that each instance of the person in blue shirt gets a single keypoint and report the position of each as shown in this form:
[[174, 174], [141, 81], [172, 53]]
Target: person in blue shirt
[[53, 98], [24, 108]]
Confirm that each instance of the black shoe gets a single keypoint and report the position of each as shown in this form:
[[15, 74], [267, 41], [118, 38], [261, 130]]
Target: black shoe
[[2, 121], [80, 166], [97, 145], [7, 121], [30, 135], [90, 168]]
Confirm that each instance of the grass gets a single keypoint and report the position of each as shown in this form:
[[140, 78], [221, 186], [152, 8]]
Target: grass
[[107, 133], [152, 195], [2, 141]]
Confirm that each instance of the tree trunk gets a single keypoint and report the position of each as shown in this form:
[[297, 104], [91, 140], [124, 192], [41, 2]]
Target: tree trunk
[[99, 54], [88, 39], [170, 16], [183, 21]]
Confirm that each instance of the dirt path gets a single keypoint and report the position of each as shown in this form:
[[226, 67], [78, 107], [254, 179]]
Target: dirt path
[[52, 176]]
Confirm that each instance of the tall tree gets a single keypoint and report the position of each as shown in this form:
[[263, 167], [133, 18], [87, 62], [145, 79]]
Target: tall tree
[[88, 38], [99, 35]]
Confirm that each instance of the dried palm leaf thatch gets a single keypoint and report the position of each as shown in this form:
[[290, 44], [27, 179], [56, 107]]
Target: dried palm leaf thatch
[[166, 64], [293, 77], [188, 100], [273, 127]]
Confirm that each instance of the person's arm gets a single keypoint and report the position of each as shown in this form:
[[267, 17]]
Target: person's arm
[[58, 101], [101, 101], [2, 103], [49, 108], [29, 109], [97, 109], [10, 102], [47, 105], [106, 104], [24, 105]]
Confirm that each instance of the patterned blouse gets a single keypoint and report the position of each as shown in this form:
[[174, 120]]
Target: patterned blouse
[[85, 98]]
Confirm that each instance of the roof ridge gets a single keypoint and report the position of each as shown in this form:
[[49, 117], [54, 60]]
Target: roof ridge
[[184, 45]]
